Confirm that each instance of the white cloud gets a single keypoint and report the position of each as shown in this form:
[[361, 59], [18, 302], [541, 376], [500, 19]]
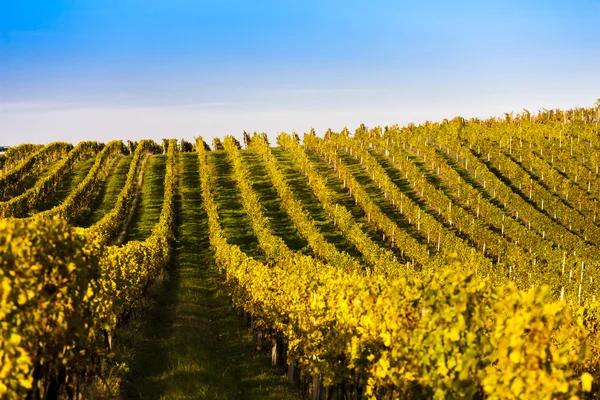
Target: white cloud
[[28, 106]]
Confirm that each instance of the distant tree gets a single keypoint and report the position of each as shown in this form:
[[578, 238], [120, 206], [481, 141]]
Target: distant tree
[[217, 145], [131, 146], [458, 121], [236, 142], [247, 139], [376, 132], [296, 137], [165, 145], [255, 137], [264, 138], [280, 138], [205, 145], [185, 146]]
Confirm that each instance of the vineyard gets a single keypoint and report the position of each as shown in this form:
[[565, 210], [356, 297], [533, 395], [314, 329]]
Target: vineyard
[[455, 259]]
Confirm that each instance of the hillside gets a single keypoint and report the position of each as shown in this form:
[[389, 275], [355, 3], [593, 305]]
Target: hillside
[[452, 259]]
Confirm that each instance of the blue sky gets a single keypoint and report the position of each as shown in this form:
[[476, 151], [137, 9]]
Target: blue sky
[[77, 70]]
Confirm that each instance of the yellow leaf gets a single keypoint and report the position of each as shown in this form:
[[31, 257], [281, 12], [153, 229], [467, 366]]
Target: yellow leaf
[[387, 338], [25, 382], [517, 386], [441, 366], [451, 362], [454, 334], [515, 356], [383, 368], [14, 339], [586, 381]]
